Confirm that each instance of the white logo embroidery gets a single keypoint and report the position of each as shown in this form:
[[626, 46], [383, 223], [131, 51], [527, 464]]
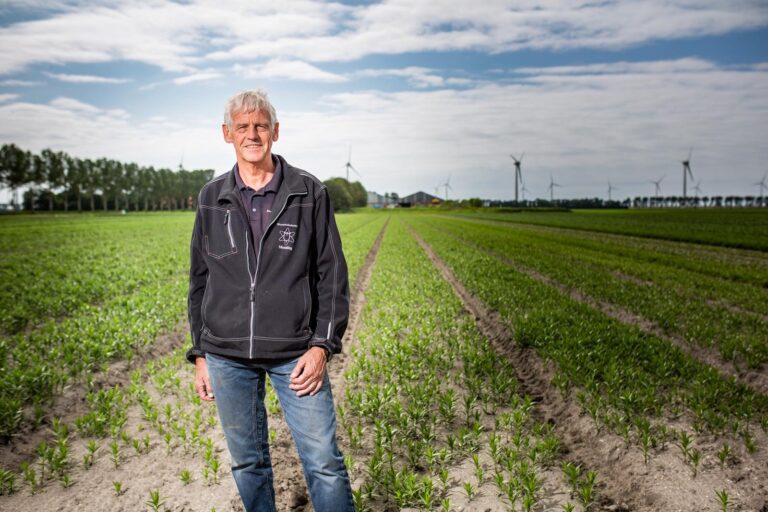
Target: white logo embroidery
[[286, 240], [287, 236]]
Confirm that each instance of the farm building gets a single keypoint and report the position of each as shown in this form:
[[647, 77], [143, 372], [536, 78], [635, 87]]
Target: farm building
[[420, 198]]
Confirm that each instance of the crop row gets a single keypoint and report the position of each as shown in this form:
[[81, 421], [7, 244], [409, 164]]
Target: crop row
[[157, 414], [629, 380], [38, 364], [708, 311], [56, 265], [173, 419], [82, 260], [739, 265], [432, 416], [743, 228]]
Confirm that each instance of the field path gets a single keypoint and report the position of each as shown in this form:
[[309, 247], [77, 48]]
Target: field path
[[627, 483]]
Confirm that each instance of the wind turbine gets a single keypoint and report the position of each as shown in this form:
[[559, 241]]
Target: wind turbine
[[524, 190], [349, 165], [518, 173], [687, 172], [447, 186], [697, 188], [762, 186], [610, 188], [658, 185], [551, 187]]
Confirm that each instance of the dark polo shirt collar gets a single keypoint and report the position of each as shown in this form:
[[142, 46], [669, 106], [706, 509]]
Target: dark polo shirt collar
[[258, 203]]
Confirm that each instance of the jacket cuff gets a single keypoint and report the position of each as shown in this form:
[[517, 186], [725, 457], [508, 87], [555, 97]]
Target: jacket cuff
[[193, 353], [324, 344]]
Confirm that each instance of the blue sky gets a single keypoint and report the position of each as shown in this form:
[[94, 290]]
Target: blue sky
[[422, 92]]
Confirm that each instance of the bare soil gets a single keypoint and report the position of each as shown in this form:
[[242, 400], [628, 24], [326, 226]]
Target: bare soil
[[626, 482], [93, 489]]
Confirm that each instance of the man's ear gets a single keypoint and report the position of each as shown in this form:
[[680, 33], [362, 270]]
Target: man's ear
[[227, 136], [276, 132]]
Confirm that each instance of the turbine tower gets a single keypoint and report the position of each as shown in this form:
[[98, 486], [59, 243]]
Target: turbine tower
[[524, 190], [610, 188], [687, 172], [762, 186], [551, 187], [697, 188], [349, 165], [518, 173], [658, 185], [447, 186]]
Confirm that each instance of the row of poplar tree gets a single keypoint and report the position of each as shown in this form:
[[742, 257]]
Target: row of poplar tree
[[54, 180]]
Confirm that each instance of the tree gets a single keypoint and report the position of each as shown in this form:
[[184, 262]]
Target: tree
[[340, 197], [52, 174], [15, 169], [357, 193]]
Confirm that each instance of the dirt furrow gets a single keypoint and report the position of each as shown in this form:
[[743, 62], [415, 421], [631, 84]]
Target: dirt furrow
[[72, 402], [757, 379], [626, 481], [290, 487]]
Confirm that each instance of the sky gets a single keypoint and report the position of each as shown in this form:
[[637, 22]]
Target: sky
[[422, 93]]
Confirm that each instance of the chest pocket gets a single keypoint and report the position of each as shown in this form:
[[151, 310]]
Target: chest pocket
[[219, 239]]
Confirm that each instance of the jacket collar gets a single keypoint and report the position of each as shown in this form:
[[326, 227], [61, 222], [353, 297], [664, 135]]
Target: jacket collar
[[292, 184]]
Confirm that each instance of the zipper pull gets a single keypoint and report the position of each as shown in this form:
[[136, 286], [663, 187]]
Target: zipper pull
[[253, 294], [226, 218]]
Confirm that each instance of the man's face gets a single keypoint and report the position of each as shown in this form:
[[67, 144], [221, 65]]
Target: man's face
[[251, 136]]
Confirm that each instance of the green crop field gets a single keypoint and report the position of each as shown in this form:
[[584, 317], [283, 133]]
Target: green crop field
[[494, 361]]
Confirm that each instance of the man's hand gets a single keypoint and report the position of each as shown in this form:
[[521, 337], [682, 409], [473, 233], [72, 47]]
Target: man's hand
[[202, 381], [307, 377]]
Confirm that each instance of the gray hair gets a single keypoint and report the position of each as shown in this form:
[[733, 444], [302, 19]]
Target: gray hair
[[249, 101]]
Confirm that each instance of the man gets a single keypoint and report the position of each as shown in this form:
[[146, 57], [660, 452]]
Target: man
[[268, 295]]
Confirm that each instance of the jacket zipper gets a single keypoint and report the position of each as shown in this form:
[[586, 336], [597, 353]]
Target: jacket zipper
[[229, 230], [255, 274]]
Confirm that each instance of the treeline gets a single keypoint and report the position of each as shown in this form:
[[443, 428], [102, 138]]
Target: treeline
[[346, 195], [54, 180], [640, 202]]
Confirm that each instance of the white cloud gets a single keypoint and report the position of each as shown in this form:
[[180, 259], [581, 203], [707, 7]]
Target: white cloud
[[627, 122], [163, 33], [655, 67], [196, 77], [18, 83], [287, 69], [584, 129], [87, 79], [8, 97], [182, 37], [73, 105], [418, 76], [87, 131]]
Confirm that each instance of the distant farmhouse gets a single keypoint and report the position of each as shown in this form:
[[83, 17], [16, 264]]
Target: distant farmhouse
[[376, 200]]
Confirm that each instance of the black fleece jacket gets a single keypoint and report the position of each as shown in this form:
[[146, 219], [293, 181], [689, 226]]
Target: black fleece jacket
[[271, 298]]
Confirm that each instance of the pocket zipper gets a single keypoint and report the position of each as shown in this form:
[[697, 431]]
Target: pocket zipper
[[229, 230]]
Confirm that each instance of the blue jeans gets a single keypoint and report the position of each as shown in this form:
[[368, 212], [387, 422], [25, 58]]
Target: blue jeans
[[239, 391]]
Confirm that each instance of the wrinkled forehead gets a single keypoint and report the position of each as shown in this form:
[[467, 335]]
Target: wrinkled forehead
[[255, 111]]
